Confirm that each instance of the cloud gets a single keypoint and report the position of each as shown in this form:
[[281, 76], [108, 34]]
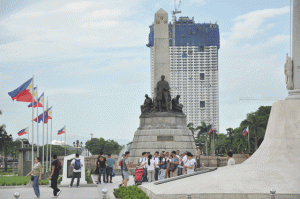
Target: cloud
[[68, 91], [198, 2], [249, 25], [59, 28], [75, 69]]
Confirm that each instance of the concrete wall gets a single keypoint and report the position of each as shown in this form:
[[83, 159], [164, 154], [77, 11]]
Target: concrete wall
[[215, 161]]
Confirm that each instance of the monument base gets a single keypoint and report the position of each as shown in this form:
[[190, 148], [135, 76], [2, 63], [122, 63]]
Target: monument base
[[161, 131], [68, 171], [275, 165]]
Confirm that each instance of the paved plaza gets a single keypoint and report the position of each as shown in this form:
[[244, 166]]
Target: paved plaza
[[67, 193]]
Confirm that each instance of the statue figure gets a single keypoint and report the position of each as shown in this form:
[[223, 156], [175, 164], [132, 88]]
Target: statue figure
[[288, 71], [175, 104], [147, 104], [163, 94]]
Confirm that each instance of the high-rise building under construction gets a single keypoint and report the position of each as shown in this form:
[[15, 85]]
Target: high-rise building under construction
[[194, 68]]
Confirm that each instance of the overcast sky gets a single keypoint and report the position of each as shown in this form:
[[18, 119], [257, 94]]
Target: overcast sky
[[91, 60]]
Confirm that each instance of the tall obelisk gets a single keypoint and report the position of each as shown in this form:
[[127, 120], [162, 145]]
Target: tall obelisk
[[292, 66], [161, 48]]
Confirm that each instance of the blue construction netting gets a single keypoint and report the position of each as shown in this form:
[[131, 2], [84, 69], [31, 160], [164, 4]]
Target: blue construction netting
[[192, 34]]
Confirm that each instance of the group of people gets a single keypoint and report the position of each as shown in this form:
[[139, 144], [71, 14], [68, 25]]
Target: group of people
[[104, 166], [163, 165]]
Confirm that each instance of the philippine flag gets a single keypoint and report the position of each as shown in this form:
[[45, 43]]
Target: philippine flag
[[23, 131], [211, 129], [48, 115], [62, 131], [39, 104], [246, 130], [23, 93]]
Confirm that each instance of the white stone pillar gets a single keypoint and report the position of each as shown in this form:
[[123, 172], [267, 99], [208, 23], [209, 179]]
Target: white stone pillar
[[295, 93], [161, 48], [296, 44]]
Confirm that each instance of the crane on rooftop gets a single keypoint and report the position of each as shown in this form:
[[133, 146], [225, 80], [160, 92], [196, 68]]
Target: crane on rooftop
[[176, 11]]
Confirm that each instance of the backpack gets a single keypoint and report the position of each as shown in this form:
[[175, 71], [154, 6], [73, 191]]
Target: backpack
[[120, 163], [59, 166], [77, 165], [165, 165]]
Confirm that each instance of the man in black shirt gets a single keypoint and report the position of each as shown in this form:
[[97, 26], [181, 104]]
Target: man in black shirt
[[54, 176]]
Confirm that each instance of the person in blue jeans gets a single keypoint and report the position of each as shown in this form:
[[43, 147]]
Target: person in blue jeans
[[109, 168], [37, 175], [76, 165], [102, 168]]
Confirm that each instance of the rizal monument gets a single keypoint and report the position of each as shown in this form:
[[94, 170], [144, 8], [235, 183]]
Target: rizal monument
[[162, 123], [274, 167]]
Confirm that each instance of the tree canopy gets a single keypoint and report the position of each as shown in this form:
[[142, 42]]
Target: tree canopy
[[97, 145]]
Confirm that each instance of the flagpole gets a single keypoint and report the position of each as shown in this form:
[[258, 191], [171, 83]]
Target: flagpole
[[214, 141], [50, 140], [47, 157], [65, 141], [43, 132], [37, 123], [248, 140], [32, 130]]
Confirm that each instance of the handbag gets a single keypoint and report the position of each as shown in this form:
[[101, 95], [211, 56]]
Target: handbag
[[32, 178]]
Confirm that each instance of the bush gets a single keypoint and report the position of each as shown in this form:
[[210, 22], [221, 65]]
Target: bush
[[130, 192], [14, 180], [88, 178]]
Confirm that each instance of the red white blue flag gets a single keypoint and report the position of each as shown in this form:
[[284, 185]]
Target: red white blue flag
[[23, 93], [38, 103], [47, 116], [246, 130], [211, 129], [62, 131], [23, 131]]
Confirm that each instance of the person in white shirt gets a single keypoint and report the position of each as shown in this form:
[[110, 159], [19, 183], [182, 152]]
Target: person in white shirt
[[143, 161], [156, 159], [76, 164], [150, 164], [184, 160], [231, 160], [190, 164], [178, 153]]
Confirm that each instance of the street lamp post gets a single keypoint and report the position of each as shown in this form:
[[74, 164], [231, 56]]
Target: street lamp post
[[77, 145]]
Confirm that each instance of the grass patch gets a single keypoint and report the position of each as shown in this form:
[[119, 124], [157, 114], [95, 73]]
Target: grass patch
[[130, 192], [14, 180]]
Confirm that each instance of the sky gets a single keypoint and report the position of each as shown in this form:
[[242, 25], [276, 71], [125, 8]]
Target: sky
[[91, 61]]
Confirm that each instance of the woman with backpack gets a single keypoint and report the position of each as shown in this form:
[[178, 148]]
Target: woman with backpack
[[36, 176]]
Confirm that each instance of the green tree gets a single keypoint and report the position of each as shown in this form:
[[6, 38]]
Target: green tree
[[203, 134], [95, 146]]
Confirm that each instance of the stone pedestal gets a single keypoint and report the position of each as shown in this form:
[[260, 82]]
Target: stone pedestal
[[161, 132], [68, 170], [275, 165]]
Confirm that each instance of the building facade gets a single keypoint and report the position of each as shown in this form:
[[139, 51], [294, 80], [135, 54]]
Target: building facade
[[194, 69]]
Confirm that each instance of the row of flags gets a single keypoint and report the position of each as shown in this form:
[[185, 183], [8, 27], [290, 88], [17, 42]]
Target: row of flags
[[24, 94]]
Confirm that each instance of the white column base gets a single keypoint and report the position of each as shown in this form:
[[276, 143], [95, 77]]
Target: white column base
[[293, 95]]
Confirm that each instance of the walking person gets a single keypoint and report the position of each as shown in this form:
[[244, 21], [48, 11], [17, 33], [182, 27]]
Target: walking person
[[150, 164], [76, 165], [56, 167], [126, 170], [109, 168], [37, 176], [102, 169], [121, 164], [156, 159]]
